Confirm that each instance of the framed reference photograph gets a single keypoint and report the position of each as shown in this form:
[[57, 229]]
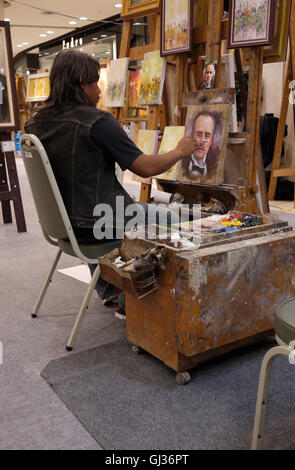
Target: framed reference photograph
[[251, 23], [137, 8], [176, 26], [9, 119]]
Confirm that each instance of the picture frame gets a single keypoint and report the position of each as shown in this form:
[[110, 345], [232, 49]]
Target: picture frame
[[277, 52], [176, 26], [251, 23], [9, 117], [137, 8], [38, 87]]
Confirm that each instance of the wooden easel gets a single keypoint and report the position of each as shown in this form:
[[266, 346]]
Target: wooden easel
[[10, 189], [209, 32], [276, 171]]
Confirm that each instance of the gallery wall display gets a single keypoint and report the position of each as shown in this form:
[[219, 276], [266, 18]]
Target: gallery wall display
[[176, 26], [117, 80], [153, 77], [251, 23], [209, 125], [38, 87], [9, 119], [137, 8], [172, 135]]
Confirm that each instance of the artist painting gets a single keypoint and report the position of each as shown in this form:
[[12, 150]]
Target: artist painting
[[209, 125]]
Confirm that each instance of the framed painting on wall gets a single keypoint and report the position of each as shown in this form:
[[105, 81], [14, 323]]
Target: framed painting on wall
[[176, 26], [9, 119], [153, 77], [251, 23], [137, 8]]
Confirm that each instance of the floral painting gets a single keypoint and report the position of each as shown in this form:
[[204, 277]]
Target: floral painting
[[153, 77], [176, 26], [171, 137], [251, 22], [117, 79]]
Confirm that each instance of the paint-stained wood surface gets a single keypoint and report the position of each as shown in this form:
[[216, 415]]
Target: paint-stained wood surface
[[213, 300]]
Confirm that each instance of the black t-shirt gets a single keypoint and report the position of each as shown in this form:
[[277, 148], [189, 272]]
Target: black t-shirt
[[110, 137]]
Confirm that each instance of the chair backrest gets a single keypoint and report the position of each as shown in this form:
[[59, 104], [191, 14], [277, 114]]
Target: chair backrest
[[49, 204], [50, 207]]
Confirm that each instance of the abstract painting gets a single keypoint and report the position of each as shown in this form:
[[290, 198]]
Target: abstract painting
[[209, 124], [117, 79], [153, 78], [176, 26], [134, 111], [251, 23], [172, 135]]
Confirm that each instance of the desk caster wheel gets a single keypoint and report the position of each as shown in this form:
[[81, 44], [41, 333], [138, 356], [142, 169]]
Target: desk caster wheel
[[68, 348], [183, 378], [136, 349]]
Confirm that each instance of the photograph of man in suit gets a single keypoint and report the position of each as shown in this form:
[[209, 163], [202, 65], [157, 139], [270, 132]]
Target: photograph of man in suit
[[202, 163], [208, 76]]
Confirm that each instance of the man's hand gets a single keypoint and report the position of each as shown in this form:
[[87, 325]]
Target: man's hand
[[186, 146]]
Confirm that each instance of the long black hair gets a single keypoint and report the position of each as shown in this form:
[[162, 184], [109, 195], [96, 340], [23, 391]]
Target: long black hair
[[70, 70]]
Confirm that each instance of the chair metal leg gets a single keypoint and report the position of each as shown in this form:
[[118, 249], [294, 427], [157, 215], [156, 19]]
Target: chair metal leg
[[46, 284], [83, 309], [263, 393]]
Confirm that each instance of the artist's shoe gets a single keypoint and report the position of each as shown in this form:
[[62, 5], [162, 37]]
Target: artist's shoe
[[120, 313], [112, 300]]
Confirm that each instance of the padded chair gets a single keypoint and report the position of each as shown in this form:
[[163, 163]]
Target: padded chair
[[285, 337], [56, 225]]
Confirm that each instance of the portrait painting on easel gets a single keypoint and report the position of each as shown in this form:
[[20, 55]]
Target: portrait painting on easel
[[251, 23], [209, 125], [176, 26]]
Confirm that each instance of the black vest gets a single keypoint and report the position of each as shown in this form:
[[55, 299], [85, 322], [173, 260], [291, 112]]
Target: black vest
[[85, 174]]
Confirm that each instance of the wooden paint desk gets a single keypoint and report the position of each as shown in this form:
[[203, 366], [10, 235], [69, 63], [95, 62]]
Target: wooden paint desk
[[212, 300]]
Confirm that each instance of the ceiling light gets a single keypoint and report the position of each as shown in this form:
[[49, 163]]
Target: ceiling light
[[19, 45], [7, 19], [72, 22], [108, 52], [103, 35], [25, 43], [50, 32], [94, 39], [118, 5], [43, 35], [83, 18]]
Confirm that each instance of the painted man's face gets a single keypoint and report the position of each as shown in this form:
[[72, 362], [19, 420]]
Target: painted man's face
[[203, 133], [209, 74]]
